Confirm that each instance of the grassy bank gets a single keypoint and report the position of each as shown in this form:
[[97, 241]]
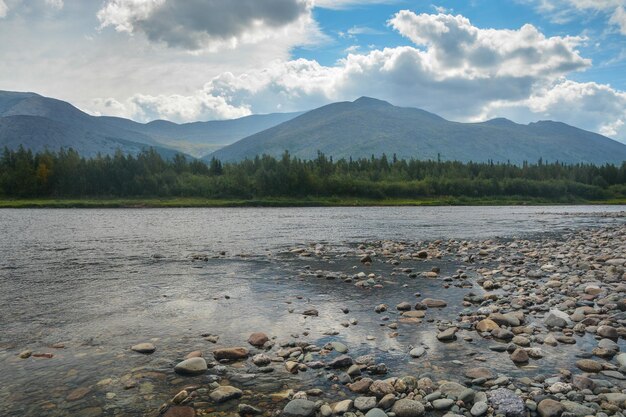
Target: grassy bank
[[286, 202]]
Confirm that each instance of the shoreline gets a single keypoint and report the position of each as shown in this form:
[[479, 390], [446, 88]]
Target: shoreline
[[138, 203]]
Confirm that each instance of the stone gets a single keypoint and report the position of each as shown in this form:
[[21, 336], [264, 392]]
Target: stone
[[434, 303], [550, 408], [261, 359], [486, 325], [577, 409], [180, 411], [180, 397], [447, 335], [193, 366], [25, 354], [362, 386], [451, 389], [381, 388], [417, 352], [589, 365], [506, 402], [376, 412], [248, 410], [557, 318], [342, 361], [145, 348], [365, 404], [231, 354], [475, 373], [258, 339], [78, 393], [342, 407], [443, 404], [408, 408], [521, 341], [608, 332], [311, 312], [387, 401], [299, 408], [404, 306], [519, 356], [479, 409], [339, 347], [225, 393]]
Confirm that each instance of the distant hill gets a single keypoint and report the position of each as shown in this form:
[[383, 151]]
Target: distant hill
[[368, 127], [39, 123]]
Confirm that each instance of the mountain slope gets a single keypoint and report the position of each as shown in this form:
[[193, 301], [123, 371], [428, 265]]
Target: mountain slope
[[38, 123], [368, 127]]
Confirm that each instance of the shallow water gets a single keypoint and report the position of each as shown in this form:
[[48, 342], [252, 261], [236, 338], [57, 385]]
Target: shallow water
[[89, 279]]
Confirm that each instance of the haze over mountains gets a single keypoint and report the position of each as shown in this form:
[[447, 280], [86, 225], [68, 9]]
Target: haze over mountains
[[356, 129], [38, 122]]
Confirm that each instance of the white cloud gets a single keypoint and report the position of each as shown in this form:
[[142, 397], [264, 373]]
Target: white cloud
[[56, 4], [343, 4], [563, 10], [459, 71], [209, 24], [3, 9]]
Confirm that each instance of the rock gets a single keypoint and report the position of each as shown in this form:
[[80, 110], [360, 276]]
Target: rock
[[25, 354], [231, 354], [299, 408], [292, 366], [451, 389], [486, 325], [381, 388], [608, 332], [621, 359], [443, 404], [193, 366], [362, 386], [550, 408], [248, 410], [408, 408], [434, 303], [194, 354], [145, 348], [521, 341], [506, 402], [557, 318], [475, 373], [387, 401], [78, 393], [404, 306], [365, 404], [342, 407], [479, 409], [380, 308], [225, 393], [180, 411], [261, 359], [258, 339], [578, 410], [417, 352], [366, 259], [311, 312], [447, 335], [519, 356], [589, 365], [376, 412], [339, 347], [342, 361], [414, 314], [180, 397]]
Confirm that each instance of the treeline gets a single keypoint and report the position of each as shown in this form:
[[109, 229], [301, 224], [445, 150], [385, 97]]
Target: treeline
[[66, 174]]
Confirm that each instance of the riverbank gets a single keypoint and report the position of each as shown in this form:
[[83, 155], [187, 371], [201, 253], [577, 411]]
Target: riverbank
[[290, 202], [517, 327]]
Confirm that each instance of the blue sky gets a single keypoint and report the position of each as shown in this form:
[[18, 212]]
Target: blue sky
[[185, 60]]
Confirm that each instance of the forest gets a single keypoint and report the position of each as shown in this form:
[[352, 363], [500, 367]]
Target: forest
[[65, 174]]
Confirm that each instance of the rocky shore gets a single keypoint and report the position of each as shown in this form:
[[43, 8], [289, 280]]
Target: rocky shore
[[525, 302]]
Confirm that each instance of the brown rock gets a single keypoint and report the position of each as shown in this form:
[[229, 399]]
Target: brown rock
[[178, 411], [258, 339], [519, 356], [486, 325], [78, 393], [589, 365], [550, 408], [231, 354], [434, 303], [362, 386]]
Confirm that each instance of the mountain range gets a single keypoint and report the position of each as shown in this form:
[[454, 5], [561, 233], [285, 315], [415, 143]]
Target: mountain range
[[361, 128], [369, 127], [39, 123]]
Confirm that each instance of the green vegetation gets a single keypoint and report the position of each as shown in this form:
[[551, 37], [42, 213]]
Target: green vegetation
[[65, 179]]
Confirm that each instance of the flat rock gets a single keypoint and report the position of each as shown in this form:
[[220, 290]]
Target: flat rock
[[225, 393], [434, 303], [481, 372], [365, 404], [506, 402], [192, 366], [231, 354], [447, 335], [550, 408], [589, 365], [145, 348]]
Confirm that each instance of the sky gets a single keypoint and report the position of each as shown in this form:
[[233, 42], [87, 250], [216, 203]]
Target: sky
[[190, 60]]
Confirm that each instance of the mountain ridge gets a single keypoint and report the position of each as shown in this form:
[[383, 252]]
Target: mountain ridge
[[368, 126]]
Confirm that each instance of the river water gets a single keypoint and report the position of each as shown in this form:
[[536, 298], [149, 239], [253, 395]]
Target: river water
[[98, 281]]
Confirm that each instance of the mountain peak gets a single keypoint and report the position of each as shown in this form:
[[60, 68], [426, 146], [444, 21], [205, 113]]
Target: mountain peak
[[369, 101]]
